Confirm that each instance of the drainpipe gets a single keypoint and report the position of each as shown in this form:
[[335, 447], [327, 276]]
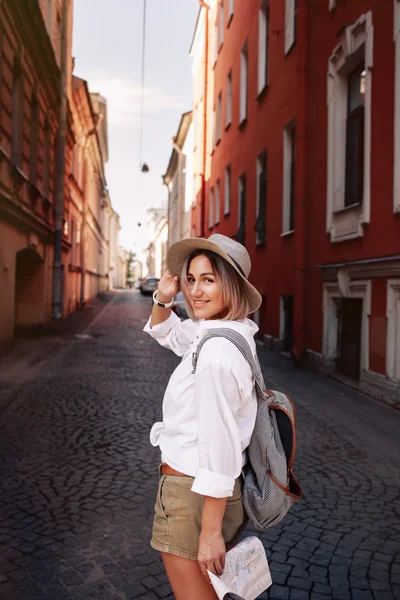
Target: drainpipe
[[204, 5], [58, 271], [301, 181]]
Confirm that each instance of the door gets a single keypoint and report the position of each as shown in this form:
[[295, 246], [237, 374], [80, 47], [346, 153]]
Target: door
[[349, 337]]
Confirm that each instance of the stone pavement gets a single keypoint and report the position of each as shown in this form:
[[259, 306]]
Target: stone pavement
[[78, 476]]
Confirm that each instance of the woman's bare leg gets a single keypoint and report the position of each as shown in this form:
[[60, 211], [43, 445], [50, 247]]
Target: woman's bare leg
[[186, 579]]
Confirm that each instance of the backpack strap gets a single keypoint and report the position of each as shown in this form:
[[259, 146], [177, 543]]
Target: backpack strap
[[242, 345]]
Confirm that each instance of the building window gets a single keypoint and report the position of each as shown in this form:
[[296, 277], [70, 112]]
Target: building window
[[263, 41], [289, 176], [262, 192], [393, 329], [355, 137], [217, 201], [219, 117], [46, 160], [231, 8], [349, 131], [241, 234], [17, 113], [243, 83], [290, 24], [215, 41], [221, 25], [34, 139], [229, 99], [214, 130], [227, 194], [211, 209]]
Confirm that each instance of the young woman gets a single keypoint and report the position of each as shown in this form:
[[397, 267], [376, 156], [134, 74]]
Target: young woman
[[208, 417]]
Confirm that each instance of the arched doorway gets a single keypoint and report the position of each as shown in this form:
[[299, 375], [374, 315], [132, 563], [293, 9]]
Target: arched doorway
[[29, 291]]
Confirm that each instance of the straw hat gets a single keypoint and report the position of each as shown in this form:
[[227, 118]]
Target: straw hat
[[233, 252]]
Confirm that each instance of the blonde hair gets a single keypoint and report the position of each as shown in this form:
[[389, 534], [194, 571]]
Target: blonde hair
[[233, 286]]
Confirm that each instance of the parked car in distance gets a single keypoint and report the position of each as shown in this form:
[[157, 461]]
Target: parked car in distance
[[148, 285], [138, 283], [179, 306]]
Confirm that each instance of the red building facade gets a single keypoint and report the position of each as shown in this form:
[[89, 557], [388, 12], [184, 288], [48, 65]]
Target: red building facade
[[298, 157]]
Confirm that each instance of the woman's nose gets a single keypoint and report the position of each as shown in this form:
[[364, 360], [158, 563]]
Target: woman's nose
[[196, 289]]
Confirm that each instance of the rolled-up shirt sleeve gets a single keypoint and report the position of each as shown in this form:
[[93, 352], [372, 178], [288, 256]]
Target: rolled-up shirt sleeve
[[174, 334], [217, 395]]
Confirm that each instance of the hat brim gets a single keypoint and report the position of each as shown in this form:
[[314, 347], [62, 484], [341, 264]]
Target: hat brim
[[179, 251]]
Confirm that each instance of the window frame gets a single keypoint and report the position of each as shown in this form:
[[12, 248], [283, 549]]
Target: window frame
[[219, 119], [228, 115], [217, 202], [211, 208], [355, 45], [34, 138], [17, 111], [242, 205], [291, 11], [289, 177], [221, 25], [244, 82], [227, 190], [263, 47]]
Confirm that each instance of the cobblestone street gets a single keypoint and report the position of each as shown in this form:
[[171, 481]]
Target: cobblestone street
[[78, 475]]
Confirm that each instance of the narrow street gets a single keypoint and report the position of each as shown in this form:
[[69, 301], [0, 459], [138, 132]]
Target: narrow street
[[78, 475]]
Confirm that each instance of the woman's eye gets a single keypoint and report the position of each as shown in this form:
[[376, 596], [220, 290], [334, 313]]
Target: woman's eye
[[209, 280]]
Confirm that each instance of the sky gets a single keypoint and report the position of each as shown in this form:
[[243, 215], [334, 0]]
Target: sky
[[107, 47]]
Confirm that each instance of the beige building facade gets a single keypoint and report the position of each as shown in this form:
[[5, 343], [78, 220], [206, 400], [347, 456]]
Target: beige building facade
[[30, 83]]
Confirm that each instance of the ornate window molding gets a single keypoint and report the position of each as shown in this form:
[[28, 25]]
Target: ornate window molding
[[396, 192], [355, 47], [393, 329], [332, 293]]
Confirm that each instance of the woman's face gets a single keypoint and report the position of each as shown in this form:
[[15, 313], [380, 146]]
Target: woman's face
[[204, 289]]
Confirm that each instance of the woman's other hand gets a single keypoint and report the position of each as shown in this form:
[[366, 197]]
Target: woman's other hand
[[211, 554], [168, 287]]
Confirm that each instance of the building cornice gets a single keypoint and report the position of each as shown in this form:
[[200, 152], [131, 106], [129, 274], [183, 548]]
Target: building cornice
[[385, 266]]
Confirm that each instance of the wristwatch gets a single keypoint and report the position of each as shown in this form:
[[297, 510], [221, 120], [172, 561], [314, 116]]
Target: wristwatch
[[162, 304]]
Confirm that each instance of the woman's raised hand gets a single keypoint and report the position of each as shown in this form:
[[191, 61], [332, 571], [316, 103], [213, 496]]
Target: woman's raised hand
[[168, 287]]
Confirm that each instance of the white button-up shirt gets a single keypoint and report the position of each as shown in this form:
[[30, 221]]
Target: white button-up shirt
[[209, 416]]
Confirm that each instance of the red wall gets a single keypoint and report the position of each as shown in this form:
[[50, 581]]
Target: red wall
[[277, 266]]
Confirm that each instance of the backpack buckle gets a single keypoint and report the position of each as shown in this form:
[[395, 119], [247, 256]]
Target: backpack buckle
[[194, 362]]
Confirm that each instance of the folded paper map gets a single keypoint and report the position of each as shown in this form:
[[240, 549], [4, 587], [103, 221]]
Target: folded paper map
[[246, 574]]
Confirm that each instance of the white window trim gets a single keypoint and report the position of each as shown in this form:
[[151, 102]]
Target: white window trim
[[229, 99], [347, 224], [214, 130], [393, 329], [240, 205], [396, 192], [227, 191], [355, 289], [231, 8], [287, 157], [221, 24], [244, 68], [217, 201], [262, 48], [289, 25], [219, 117], [211, 209]]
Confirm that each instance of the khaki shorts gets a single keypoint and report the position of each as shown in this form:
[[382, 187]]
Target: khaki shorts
[[177, 519]]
